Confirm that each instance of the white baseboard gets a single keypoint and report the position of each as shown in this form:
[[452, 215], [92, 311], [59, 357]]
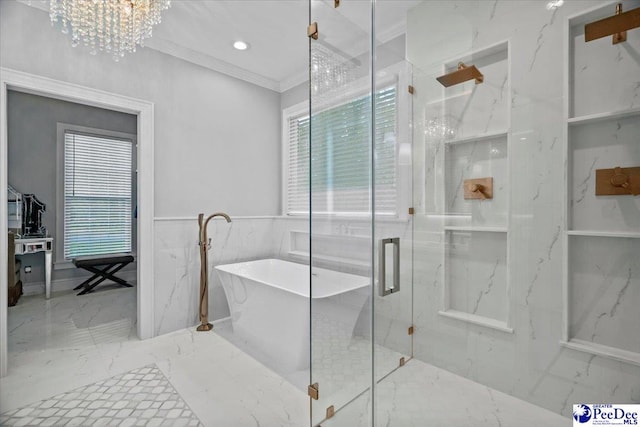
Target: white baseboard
[[35, 288]]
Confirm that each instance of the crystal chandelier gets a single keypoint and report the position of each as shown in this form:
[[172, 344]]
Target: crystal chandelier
[[114, 26]]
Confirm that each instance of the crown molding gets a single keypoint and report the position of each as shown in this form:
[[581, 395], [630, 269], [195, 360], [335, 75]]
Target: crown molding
[[207, 61], [294, 80], [392, 32]]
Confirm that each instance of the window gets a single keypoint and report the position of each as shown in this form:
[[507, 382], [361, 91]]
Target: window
[[97, 194], [340, 167]]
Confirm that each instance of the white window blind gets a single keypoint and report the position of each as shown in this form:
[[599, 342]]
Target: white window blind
[[97, 195], [340, 158]]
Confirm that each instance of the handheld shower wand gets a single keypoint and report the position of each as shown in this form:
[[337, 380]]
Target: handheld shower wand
[[205, 244]]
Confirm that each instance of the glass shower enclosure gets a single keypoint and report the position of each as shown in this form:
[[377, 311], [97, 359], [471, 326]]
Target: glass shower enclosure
[[465, 167], [361, 212]]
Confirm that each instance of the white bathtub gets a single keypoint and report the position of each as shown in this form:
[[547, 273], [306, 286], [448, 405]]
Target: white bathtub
[[269, 304]]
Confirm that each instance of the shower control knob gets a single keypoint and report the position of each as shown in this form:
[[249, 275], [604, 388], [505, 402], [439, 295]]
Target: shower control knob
[[477, 188], [622, 180], [619, 178]]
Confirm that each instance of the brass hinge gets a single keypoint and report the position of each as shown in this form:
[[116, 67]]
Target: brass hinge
[[312, 31], [330, 412], [402, 361], [411, 89], [412, 211], [313, 391], [336, 3], [410, 331]]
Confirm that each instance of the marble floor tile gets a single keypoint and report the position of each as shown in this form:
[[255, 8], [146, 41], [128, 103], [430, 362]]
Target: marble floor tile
[[225, 384], [142, 396]]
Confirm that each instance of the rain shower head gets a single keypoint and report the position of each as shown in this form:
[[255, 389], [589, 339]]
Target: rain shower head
[[615, 26], [461, 75]]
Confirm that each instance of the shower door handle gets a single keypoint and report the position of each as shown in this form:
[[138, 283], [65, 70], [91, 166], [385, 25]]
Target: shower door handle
[[385, 290]]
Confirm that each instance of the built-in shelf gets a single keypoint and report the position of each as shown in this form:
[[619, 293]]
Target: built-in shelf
[[333, 259], [592, 143], [603, 350], [589, 233], [477, 138], [477, 320], [600, 117], [475, 228]]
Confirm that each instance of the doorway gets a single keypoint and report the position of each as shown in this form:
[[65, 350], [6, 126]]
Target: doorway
[[143, 110]]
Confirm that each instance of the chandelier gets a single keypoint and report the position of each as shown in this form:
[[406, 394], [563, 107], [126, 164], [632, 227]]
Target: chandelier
[[114, 26]]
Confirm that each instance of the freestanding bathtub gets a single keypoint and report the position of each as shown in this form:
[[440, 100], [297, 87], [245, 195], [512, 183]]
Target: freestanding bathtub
[[269, 304]]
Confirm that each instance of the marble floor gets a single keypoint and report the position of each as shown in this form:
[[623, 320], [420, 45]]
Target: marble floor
[[342, 362], [220, 382], [141, 397]]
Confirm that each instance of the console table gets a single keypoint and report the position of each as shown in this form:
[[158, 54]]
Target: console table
[[39, 244]]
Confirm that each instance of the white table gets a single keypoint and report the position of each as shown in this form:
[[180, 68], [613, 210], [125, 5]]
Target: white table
[[39, 244]]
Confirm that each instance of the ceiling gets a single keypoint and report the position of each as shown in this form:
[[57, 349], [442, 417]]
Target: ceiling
[[203, 31]]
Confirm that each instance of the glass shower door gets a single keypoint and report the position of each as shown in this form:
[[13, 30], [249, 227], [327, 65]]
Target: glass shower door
[[393, 223], [361, 246], [340, 176]]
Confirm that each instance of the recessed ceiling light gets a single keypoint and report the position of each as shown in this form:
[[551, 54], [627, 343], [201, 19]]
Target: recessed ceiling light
[[240, 45]]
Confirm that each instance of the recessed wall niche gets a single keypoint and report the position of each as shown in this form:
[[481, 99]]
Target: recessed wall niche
[[473, 121], [602, 281], [605, 294]]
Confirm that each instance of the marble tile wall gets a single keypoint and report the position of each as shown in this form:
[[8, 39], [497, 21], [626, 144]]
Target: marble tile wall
[[605, 76], [476, 273], [477, 159], [177, 265], [472, 109], [605, 291], [530, 363], [603, 145]]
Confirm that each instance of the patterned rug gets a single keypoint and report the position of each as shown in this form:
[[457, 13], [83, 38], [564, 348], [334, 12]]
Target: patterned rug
[[142, 397]]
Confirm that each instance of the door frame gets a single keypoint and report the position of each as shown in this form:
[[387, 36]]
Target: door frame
[[43, 86]]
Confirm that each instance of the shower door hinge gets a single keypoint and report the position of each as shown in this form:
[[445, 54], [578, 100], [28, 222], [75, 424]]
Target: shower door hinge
[[411, 89], [312, 31], [313, 391], [410, 331], [330, 411], [402, 361], [336, 3], [412, 211]]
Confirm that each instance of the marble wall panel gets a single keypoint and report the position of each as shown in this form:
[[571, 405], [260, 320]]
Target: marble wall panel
[[476, 273], [537, 367], [477, 159], [604, 289], [603, 145]]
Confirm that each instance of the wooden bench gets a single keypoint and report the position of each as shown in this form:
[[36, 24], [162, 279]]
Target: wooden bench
[[103, 267]]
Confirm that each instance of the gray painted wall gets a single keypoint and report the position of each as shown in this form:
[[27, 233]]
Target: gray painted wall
[[217, 138], [32, 143]]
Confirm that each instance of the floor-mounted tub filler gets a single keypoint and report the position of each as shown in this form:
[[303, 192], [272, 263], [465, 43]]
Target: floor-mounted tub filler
[[205, 244]]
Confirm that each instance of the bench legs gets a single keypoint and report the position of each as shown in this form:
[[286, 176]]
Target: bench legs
[[100, 275]]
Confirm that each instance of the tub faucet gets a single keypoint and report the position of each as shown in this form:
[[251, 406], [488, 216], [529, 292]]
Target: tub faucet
[[204, 244]]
